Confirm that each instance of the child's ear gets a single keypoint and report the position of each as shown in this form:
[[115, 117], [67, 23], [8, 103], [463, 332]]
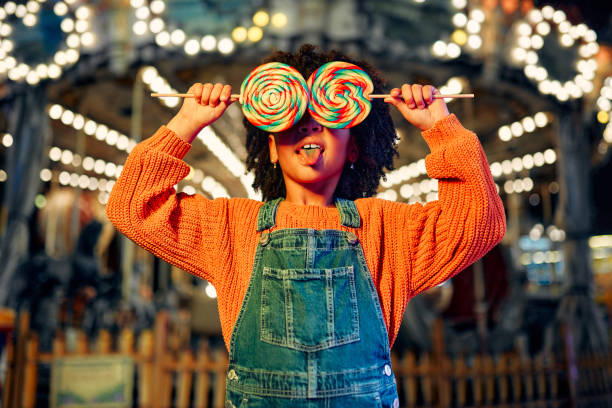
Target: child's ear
[[272, 147], [353, 150]]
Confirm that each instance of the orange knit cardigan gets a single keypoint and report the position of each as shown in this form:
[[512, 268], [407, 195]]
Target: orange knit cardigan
[[408, 248]]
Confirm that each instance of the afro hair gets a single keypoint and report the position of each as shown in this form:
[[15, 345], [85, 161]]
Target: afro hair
[[376, 136]]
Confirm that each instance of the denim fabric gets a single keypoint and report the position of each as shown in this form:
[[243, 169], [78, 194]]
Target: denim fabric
[[310, 332]]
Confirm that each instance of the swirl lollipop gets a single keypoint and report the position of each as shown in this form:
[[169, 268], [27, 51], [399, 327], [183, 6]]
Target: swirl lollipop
[[274, 96], [339, 94]]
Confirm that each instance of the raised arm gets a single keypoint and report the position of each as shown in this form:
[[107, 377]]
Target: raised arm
[[144, 206], [467, 220], [445, 236], [415, 246], [181, 229]]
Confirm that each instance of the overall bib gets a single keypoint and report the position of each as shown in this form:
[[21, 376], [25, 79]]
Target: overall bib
[[310, 332]]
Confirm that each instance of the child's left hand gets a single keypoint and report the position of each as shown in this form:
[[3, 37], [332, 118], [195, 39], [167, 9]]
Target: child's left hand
[[416, 103]]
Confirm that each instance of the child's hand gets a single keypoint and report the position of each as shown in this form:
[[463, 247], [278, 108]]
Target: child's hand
[[197, 112], [416, 103]]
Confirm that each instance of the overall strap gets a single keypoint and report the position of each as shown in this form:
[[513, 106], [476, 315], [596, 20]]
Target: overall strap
[[266, 218], [349, 216]]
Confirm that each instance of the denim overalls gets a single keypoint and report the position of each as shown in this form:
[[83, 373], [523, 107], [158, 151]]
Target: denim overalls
[[310, 332]]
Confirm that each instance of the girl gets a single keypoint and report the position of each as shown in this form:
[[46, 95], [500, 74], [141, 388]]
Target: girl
[[312, 283]]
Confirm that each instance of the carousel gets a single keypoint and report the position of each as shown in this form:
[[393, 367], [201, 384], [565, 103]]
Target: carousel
[[526, 324]]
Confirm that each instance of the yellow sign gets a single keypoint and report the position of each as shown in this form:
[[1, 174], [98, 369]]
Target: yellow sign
[[92, 381]]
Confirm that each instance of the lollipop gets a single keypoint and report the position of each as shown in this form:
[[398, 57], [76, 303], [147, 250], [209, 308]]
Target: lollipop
[[339, 94], [274, 96]]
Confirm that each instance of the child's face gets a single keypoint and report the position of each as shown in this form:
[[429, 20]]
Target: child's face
[[311, 153]]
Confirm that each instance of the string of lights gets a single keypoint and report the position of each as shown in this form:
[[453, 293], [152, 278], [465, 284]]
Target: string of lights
[[120, 141], [541, 257], [110, 169], [523, 126], [227, 157], [604, 104], [466, 34], [527, 162], [75, 24], [530, 34], [150, 20], [157, 83], [67, 157], [90, 127]]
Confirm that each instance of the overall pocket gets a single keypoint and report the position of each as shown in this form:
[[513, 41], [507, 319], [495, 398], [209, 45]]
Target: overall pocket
[[309, 309]]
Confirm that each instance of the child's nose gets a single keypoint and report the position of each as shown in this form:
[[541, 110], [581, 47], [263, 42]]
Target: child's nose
[[309, 126]]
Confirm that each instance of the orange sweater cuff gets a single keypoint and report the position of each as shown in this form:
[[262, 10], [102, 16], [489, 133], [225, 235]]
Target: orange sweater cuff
[[443, 131], [167, 141]]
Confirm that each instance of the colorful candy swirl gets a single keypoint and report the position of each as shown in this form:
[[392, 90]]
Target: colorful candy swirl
[[274, 96], [339, 94]]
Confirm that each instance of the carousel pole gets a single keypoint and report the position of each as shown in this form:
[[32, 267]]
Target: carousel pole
[[583, 328], [75, 212], [122, 46], [29, 125], [127, 246], [575, 215], [480, 305]]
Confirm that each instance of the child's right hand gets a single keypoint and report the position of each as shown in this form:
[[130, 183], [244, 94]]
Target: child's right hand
[[208, 104]]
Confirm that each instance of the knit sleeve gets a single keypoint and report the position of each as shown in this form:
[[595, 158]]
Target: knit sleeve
[[447, 235], [184, 230]]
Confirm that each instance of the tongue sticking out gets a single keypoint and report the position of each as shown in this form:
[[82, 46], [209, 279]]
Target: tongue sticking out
[[309, 157]]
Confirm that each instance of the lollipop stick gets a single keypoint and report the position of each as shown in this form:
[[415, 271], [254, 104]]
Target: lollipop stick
[[470, 95], [373, 96], [184, 95]]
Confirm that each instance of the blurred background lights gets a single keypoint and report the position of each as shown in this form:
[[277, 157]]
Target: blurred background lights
[[209, 42], [75, 25], [603, 117], [210, 291], [439, 48], [7, 140], [279, 20], [177, 37], [45, 175], [261, 18], [528, 124], [156, 25], [139, 28], [157, 6], [523, 168], [467, 32], [527, 45], [156, 83], [163, 38], [239, 34], [225, 45], [255, 34], [192, 46], [150, 19], [460, 20], [40, 201], [90, 127]]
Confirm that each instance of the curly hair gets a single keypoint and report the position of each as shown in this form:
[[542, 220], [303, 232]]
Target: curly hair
[[376, 136]]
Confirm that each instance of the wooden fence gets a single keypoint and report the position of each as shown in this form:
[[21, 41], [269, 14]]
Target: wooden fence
[[189, 379]]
